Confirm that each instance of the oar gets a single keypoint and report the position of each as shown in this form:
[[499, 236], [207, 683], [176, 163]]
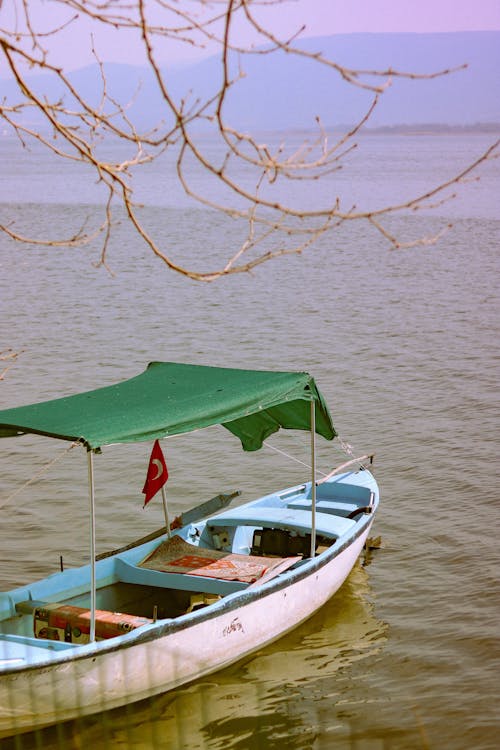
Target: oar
[[190, 516]]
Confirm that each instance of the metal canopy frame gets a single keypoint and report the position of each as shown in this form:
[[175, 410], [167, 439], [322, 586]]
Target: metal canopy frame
[[92, 535]]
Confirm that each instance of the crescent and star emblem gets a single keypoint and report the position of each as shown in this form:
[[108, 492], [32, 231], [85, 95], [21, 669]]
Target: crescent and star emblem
[[159, 467]]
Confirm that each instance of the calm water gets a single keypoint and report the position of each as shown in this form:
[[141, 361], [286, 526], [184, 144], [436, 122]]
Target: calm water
[[405, 348]]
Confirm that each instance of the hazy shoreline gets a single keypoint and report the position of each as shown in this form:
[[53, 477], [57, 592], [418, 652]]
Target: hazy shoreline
[[480, 128], [412, 129]]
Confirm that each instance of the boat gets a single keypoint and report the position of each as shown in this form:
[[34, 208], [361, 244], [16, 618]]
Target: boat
[[210, 588]]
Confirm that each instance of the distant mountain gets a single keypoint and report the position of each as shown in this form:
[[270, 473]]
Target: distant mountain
[[285, 91], [282, 91]]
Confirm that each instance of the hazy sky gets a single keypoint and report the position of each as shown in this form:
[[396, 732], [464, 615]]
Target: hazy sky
[[321, 17], [344, 16]]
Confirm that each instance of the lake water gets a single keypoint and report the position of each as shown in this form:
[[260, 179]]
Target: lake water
[[405, 347]]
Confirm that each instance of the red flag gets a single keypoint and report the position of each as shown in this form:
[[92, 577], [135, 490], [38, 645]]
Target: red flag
[[157, 473]]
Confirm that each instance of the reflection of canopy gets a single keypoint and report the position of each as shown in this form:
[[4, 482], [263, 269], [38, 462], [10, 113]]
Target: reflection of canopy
[[170, 398]]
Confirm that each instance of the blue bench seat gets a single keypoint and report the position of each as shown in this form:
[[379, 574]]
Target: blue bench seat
[[284, 518], [333, 507], [128, 573]]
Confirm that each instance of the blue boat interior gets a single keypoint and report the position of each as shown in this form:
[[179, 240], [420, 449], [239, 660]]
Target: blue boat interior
[[276, 526]]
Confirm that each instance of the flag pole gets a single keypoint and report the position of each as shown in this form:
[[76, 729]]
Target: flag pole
[[90, 465], [313, 478], [165, 511]]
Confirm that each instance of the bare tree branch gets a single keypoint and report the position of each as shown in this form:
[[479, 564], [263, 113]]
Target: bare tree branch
[[10, 356], [76, 127]]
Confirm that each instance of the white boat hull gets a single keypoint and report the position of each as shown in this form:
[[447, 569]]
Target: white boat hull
[[109, 677]]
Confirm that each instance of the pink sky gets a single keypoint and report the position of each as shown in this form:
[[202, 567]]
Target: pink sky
[[321, 17], [325, 17], [344, 16]]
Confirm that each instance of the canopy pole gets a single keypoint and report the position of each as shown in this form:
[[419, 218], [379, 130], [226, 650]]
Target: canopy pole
[[165, 511], [313, 478], [90, 464]]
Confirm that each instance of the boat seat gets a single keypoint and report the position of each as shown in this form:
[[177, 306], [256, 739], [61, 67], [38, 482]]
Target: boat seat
[[284, 518], [128, 573], [176, 557], [65, 622], [342, 508], [28, 607]]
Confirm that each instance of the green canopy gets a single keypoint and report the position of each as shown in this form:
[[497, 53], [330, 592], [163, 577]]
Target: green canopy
[[170, 398]]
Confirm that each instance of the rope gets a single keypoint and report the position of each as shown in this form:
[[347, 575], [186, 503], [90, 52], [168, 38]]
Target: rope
[[346, 447], [44, 469], [287, 455]]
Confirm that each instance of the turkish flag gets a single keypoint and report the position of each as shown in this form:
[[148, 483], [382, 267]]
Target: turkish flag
[[157, 473]]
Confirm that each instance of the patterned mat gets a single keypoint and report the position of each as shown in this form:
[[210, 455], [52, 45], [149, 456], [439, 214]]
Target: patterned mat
[[177, 556]]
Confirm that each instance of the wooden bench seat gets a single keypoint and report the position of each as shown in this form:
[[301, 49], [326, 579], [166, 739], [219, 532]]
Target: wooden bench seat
[[67, 623]]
